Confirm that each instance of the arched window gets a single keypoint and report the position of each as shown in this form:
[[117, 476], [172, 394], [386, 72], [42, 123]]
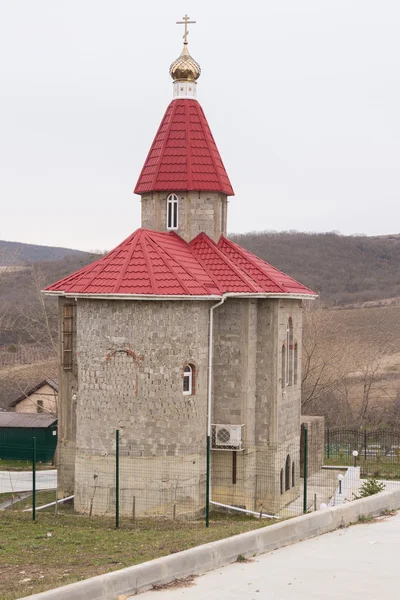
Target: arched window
[[172, 211], [287, 473], [188, 380], [296, 361], [281, 481], [293, 475], [289, 356]]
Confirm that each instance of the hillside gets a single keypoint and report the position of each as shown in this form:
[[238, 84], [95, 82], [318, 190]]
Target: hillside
[[342, 269], [356, 348], [17, 253], [22, 317]]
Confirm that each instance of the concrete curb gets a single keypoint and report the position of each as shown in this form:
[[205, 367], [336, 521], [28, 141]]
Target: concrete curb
[[196, 561]]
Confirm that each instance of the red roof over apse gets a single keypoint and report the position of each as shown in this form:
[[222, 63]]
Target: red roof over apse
[[152, 263], [271, 279], [147, 262], [184, 155]]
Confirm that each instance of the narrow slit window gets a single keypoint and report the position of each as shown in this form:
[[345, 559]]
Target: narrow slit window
[[40, 407], [172, 212], [67, 332], [296, 360], [290, 352], [283, 366], [287, 473], [188, 380]]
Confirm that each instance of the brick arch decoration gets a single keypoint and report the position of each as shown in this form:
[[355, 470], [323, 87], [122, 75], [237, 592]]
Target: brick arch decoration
[[136, 358]]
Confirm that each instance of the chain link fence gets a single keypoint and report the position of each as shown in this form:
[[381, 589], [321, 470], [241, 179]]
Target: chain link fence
[[258, 480]]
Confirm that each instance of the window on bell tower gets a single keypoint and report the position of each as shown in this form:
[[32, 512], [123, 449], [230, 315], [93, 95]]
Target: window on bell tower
[[172, 211]]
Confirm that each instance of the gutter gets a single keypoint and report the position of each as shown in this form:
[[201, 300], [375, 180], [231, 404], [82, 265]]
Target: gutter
[[179, 297]]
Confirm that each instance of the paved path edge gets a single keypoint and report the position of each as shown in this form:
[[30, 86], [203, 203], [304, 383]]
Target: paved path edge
[[142, 577]]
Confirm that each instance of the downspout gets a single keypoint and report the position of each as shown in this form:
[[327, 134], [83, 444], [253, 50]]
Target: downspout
[[210, 358], [209, 407]]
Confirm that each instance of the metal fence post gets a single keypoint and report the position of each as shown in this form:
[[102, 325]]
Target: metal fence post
[[365, 445], [208, 482], [305, 467], [117, 479], [329, 443], [34, 480]]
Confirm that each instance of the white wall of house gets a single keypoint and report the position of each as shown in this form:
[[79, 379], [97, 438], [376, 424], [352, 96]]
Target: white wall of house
[[43, 400]]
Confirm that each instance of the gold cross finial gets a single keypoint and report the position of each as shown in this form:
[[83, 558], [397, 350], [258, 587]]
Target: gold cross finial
[[185, 23]]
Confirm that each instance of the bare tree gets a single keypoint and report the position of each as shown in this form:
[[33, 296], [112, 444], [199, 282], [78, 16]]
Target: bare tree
[[343, 379], [39, 314], [326, 358]]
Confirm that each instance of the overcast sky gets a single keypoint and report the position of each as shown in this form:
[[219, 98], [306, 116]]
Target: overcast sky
[[302, 96]]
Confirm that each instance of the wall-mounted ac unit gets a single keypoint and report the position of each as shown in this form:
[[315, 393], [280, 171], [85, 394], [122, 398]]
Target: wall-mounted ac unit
[[226, 437]]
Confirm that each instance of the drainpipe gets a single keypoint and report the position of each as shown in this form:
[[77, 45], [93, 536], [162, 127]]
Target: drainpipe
[[209, 407], [210, 358]]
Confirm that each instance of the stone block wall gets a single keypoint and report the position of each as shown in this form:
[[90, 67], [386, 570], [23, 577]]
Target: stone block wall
[[131, 361], [247, 389], [67, 388], [197, 212], [316, 443]]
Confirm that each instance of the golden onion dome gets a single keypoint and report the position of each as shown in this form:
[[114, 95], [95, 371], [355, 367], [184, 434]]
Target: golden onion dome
[[185, 68]]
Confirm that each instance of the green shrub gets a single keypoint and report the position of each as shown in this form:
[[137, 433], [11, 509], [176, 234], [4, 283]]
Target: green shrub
[[370, 487]]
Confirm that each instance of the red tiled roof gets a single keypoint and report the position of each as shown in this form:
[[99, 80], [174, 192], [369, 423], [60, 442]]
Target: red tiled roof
[[162, 264], [184, 155], [270, 278]]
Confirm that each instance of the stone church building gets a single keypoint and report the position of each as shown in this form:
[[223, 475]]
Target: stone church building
[[175, 334]]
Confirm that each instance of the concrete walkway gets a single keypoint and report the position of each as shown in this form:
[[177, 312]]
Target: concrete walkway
[[21, 481], [357, 563]]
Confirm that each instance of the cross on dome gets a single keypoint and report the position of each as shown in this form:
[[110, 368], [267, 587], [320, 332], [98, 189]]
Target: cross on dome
[[185, 22], [185, 70]]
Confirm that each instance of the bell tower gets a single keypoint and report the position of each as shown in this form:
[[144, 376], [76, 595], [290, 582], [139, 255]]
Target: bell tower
[[183, 184]]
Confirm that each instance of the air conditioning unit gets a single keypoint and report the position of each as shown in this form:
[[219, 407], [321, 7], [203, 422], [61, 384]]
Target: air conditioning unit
[[226, 437]]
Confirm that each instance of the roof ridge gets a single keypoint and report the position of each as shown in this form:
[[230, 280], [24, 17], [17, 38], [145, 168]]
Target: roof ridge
[[127, 261], [202, 261], [91, 266], [101, 270], [151, 148], [208, 145], [272, 267], [164, 143], [188, 146], [156, 247], [240, 250], [148, 262], [229, 262]]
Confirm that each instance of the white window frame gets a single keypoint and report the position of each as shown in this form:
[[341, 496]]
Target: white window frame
[[172, 212], [187, 374]]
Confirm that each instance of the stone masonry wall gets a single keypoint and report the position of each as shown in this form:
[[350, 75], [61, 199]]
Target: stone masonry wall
[[131, 361], [247, 390], [316, 443], [67, 386], [197, 212]]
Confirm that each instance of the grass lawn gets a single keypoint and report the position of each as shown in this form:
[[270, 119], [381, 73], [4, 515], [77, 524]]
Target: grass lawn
[[8, 464], [54, 551]]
